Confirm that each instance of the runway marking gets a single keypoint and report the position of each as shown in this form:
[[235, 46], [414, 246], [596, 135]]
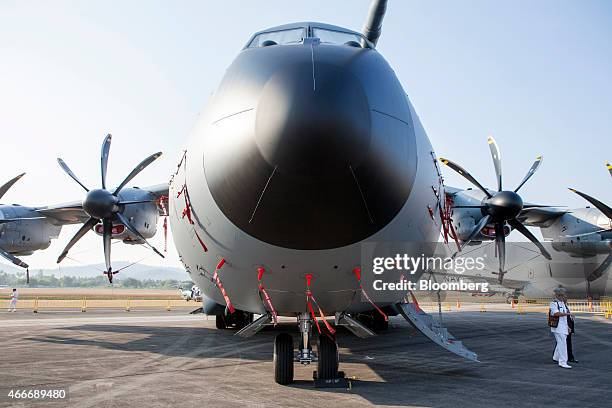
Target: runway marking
[[78, 321]]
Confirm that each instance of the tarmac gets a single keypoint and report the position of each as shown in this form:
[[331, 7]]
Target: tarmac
[[159, 359]]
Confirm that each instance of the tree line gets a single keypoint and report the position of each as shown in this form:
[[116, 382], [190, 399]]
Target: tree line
[[51, 281]]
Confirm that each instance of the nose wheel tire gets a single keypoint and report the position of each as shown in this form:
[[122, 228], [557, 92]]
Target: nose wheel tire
[[283, 359], [327, 365]]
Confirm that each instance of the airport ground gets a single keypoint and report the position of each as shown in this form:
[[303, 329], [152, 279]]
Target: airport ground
[[110, 358]]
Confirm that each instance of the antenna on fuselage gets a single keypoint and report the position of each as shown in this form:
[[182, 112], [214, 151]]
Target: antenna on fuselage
[[373, 25]]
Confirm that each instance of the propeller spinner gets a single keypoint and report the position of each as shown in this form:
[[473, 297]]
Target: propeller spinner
[[106, 206], [501, 207]]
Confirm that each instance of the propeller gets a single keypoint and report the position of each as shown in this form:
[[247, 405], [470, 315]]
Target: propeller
[[596, 203], [5, 254], [106, 206], [606, 210], [501, 207], [6, 186]]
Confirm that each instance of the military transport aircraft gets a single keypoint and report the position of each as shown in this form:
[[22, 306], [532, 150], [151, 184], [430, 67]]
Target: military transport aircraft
[[308, 152]]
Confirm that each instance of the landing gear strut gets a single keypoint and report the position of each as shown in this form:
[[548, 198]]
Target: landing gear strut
[[305, 355]]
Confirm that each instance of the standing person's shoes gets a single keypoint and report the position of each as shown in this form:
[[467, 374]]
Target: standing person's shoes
[[565, 366]]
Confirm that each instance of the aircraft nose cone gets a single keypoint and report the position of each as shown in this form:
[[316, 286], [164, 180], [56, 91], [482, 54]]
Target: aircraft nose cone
[[311, 130], [315, 164]]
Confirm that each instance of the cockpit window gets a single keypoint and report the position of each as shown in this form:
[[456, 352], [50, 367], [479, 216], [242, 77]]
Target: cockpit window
[[337, 37], [281, 37]]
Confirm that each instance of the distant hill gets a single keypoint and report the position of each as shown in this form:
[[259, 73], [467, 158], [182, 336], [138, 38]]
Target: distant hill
[[138, 271]]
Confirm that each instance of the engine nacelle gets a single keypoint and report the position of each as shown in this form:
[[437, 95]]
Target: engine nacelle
[[23, 237], [143, 216], [579, 233], [465, 219]]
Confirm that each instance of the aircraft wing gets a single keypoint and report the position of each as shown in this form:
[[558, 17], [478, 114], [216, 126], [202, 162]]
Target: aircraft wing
[[73, 213], [540, 217], [67, 213]]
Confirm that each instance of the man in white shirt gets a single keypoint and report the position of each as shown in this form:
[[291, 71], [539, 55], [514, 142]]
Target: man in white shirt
[[559, 308], [13, 304]]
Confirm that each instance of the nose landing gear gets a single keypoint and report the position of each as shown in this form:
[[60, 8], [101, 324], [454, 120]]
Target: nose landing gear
[[326, 375]]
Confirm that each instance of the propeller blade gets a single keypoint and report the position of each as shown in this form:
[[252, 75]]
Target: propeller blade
[[500, 242], [609, 167], [80, 233], [481, 224], [65, 167], [134, 231], [13, 259], [469, 206], [106, 239], [596, 203], [601, 269], [104, 158], [465, 174], [143, 164], [536, 164], [496, 161], [523, 230], [9, 184]]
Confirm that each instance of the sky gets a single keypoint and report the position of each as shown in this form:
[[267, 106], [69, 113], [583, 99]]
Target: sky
[[537, 75]]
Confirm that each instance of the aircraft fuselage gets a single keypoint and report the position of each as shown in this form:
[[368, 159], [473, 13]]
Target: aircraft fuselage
[[305, 152]]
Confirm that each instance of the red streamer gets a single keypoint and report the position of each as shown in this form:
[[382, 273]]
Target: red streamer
[[357, 272]]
